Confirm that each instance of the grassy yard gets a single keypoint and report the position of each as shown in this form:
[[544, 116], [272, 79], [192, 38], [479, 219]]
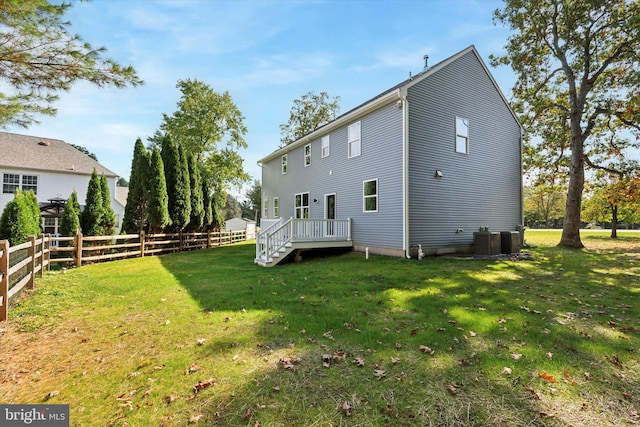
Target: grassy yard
[[209, 338]]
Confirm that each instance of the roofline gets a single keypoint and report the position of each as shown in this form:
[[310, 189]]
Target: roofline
[[111, 174], [384, 98]]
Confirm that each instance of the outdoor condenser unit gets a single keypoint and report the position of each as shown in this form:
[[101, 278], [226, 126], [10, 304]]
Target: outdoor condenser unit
[[510, 242]]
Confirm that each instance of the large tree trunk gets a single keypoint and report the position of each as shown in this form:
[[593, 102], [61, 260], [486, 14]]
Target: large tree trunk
[[571, 226], [614, 222]]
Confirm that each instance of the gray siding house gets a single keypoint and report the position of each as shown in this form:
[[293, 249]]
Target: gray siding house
[[416, 170]]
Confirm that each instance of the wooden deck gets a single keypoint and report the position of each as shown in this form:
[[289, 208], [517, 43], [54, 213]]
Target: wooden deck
[[279, 239]]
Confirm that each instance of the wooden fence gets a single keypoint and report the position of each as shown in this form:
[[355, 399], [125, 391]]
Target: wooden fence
[[20, 264]]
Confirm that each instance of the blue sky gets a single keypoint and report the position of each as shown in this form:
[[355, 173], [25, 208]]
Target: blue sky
[[265, 53]]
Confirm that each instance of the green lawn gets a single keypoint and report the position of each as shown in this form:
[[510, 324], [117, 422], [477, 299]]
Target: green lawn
[[210, 338]]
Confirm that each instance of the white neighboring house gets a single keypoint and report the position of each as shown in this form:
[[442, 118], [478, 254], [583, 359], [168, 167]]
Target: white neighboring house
[[237, 224], [52, 169]]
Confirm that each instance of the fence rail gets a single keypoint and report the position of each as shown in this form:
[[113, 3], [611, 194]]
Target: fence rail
[[20, 264]]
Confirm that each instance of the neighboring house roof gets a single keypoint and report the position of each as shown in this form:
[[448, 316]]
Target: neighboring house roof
[[121, 194], [46, 154], [396, 92]]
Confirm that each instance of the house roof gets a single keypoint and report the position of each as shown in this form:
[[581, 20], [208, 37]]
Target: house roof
[[389, 95], [46, 154]]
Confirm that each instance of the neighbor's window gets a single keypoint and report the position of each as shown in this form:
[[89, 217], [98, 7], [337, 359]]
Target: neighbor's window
[[10, 183], [276, 208], [325, 146], [302, 205], [353, 140], [284, 164], [370, 195], [462, 135], [307, 155], [30, 182]]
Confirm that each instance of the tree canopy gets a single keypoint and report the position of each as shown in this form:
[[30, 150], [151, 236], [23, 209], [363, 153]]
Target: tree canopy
[[308, 113], [578, 86], [39, 59]]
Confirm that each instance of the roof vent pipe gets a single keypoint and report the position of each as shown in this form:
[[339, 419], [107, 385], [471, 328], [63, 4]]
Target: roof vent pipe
[[426, 62]]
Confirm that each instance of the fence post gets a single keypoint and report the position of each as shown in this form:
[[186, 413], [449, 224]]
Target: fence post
[[78, 244], [208, 239], [31, 267], [47, 257], [180, 249], [4, 279], [141, 243], [41, 272]]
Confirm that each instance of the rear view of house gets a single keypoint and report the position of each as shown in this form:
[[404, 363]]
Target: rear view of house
[[416, 170]]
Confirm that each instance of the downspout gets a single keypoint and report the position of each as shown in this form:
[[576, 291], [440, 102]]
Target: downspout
[[405, 173]]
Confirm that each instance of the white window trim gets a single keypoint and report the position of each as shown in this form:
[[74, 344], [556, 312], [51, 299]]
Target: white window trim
[[307, 156], [351, 141], [276, 207], [461, 132], [284, 164], [266, 208], [326, 144], [301, 207], [365, 197]]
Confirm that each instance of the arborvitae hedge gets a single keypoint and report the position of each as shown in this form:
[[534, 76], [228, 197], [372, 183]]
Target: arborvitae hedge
[[20, 218]]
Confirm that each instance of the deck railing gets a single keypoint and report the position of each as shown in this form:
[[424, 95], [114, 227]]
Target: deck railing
[[277, 236]]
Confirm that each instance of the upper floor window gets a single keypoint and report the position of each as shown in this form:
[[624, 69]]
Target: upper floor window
[[307, 155], [353, 140], [10, 183], [284, 164], [276, 207], [370, 196], [30, 182], [325, 146], [462, 135]]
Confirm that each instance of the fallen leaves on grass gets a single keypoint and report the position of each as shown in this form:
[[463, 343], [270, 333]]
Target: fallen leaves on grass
[[427, 350], [533, 393], [547, 377], [506, 371], [193, 368], [289, 362], [51, 394], [195, 419], [201, 385], [346, 408], [359, 361], [170, 399], [379, 373], [568, 377]]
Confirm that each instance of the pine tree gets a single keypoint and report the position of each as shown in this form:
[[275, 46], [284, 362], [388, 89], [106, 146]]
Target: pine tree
[[197, 204], [17, 221], [177, 178], [70, 221], [208, 210], [109, 217], [158, 209], [135, 214], [93, 214]]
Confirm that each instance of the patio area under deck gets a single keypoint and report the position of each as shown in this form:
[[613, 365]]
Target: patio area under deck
[[280, 238]]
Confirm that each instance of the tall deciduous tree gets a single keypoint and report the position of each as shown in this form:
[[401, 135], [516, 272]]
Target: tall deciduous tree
[[176, 172], [108, 216], [93, 214], [70, 220], [210, 127], [578, 68], [307, 114], [158, 206], [39, 58], [135, 214], [252, 207]]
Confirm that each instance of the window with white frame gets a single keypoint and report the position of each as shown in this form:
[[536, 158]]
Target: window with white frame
[[462, 135], [370, 195], [326, 146], [30, 182], [284, 164], [10, 183], [353, 140], [307, 155], [266, 208], [276, 207], [302, 205]]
